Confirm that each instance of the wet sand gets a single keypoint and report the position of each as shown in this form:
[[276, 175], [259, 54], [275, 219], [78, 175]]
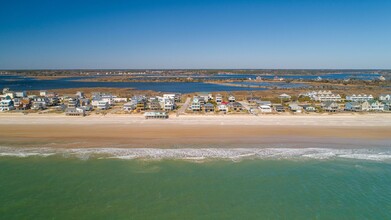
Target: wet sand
[[196, 131]]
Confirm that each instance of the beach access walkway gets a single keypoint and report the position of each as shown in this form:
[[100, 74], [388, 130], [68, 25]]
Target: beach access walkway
[[185, 106]]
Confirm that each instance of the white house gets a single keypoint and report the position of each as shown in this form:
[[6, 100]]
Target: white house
[[174, 96], [265, 108], [308, 108], [359, 98], [324, 96], [6, 105], [97, 97], [372, 106], [129, 106], [103, 105], [219, 98], [385, 97], [206, 96], [223, 107], [169, 104], [118, 99], [295, 107], [284, 96], [10, 94], [43, 93], [75, 112], [231, 98], [169, 96], [40, 103], [195, 104], [330, 106], [21, 94]]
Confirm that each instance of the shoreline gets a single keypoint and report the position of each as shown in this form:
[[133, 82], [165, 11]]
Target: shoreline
[[335, 131], [338, 119]]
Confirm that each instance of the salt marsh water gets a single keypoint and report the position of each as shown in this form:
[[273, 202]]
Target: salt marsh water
[[281, 184], [25, 83]]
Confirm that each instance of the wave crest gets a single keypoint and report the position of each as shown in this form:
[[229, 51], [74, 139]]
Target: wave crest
[[375, 154]]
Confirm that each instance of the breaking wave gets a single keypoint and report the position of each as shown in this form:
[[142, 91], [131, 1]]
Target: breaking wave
[[234, 154]]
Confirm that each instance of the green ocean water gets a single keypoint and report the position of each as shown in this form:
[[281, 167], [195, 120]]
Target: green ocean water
[[69, 188]]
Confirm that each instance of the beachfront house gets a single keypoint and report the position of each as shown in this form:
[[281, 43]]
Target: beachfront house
[[308, 108], [154, 104], [6, 105], [73, 102], [202, 101], [38, 106], [372, 105], [279, 108], [209, 107], [40, 103], [195, 104], [156, 115], [129, 106], [223, 107], [353, 106], [22, 104], [84, 102], [330, 106], [140, 101], [75, 112], [87, 107], [359, 98], [387, 105], [98, 97], [141, 104], [385, 97], [294, 107], [17, 102], [235, 106], [103, 105], [231, 98], [169, 105], [219, 98], [265, 108], [53, 100]]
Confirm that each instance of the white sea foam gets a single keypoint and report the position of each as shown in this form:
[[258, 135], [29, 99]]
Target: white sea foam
[[195, 154]]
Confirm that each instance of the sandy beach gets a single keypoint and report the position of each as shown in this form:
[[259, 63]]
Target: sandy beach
[[195, 131]]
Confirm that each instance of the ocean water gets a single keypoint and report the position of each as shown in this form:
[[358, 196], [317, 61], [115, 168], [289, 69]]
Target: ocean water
[[234, 183]]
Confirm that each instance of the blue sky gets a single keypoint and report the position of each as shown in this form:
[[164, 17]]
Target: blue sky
[[195, 34]]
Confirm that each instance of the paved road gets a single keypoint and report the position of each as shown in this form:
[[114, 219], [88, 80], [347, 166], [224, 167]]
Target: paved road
[[182, 110]]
